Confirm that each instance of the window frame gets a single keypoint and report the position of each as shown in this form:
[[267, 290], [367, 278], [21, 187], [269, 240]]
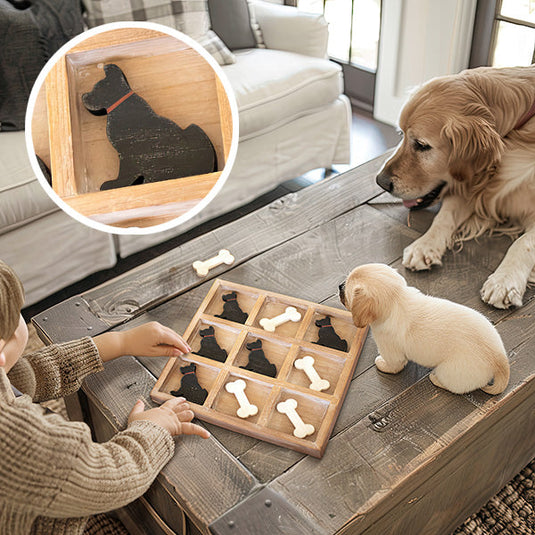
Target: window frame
[[486, 31]]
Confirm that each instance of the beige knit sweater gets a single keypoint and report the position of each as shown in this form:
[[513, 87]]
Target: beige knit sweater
[[52, 475]]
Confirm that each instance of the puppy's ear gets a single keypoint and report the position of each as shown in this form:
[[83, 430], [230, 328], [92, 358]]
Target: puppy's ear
[[475, 146], [362, 307]]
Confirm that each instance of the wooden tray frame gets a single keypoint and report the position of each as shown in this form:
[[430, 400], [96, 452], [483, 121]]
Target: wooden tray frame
[[315, 444], [141, 205]]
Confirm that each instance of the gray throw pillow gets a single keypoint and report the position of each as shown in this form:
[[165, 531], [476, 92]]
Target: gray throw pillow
[[30, 33], [231, 20]]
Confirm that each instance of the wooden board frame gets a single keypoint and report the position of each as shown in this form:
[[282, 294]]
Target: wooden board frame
[[219, 407], [140, 205]]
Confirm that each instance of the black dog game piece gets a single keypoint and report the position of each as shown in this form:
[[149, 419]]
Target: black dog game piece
[[258, 362], [151, 147], [231, 309], [209, 346], [190, 387], [327, 335]]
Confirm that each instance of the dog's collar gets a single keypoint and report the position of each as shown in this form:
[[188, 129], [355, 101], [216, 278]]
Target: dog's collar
[[526, 117], [117, 102]]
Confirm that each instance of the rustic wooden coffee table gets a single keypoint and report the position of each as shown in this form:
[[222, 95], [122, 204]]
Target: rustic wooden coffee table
[[404, 457]]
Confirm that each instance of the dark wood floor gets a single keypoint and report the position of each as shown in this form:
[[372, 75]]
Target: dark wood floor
[[369, 139]]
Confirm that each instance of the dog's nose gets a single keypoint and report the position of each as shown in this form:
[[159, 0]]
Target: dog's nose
[[342, 287], [384, 179]]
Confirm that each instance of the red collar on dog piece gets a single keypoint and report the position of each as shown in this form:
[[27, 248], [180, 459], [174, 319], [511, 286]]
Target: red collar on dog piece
[[120, 101], [526, 117]]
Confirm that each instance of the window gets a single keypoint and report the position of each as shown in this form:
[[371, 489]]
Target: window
[[514, 39], [353, 41], [504, 33]]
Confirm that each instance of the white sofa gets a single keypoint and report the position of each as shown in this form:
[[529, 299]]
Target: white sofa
[[293, 118]]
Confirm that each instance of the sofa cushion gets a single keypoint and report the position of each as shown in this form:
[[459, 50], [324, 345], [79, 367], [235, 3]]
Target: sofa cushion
[[274, 87], [28, 38], [231, 20], [22, 198]]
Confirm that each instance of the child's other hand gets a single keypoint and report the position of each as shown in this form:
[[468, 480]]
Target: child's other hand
[[173, 415], [153, 340]]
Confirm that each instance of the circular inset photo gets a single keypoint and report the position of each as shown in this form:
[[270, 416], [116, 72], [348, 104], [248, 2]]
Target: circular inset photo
[[132, 128]]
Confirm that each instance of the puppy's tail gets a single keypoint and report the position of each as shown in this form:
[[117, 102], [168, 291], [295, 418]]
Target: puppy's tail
[[501, 376]]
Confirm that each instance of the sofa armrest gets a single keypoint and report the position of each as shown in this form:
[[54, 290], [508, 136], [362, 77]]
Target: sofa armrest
[[287, 28]]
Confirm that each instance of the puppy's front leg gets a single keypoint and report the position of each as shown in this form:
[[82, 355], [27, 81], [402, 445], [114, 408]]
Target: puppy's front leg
[[427, 250], [506, 286], [391, 359]]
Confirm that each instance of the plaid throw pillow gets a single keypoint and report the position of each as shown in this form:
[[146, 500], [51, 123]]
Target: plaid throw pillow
[[214, 46], [188, 16]]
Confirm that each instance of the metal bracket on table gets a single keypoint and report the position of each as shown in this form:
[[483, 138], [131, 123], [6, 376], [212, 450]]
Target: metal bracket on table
[[68, 320], [265, 512]]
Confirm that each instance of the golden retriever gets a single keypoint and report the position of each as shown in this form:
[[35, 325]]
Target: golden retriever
[[469, 139], [461, 345]]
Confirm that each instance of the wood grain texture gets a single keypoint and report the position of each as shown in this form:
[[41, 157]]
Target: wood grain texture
[[122, 383], [171, 197], [60, 130]]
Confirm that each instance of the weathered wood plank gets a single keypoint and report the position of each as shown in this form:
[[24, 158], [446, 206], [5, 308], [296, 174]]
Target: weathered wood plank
[[431, 428], [206, 480], [466, 483]]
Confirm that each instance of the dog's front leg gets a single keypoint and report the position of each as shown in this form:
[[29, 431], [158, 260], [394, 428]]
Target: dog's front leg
[[506, 286], [427, 250], [391, 358]]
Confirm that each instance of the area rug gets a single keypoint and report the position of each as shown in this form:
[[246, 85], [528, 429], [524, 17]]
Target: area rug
[[510, 512]]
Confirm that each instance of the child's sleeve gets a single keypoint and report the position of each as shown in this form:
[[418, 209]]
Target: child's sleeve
[[53, 467], [56, 370]]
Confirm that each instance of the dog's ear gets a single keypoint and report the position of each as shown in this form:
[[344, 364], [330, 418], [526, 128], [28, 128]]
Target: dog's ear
[[475, 146], [111, 69], [362, 306]]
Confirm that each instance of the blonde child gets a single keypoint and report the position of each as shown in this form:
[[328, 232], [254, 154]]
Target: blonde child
[[52, 475]]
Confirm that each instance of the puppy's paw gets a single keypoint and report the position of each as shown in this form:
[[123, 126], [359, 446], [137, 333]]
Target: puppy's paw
[[421, 255], [502, 291], [435, 381], [385, 367]]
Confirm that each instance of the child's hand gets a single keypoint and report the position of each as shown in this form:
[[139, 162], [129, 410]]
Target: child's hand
[[173, 415], [148, 340], [153, 340]]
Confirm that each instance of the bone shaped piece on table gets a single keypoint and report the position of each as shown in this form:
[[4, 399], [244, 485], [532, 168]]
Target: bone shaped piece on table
[[301, 429], [270, 324], [203, 267], [238, 389], [307, 365]]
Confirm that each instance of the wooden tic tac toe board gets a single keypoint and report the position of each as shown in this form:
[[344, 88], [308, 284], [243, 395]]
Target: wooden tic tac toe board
[[290, 342]]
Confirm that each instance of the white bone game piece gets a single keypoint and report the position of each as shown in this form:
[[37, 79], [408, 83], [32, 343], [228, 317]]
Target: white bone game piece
[[290, 314], [316, 382], [301, 429], [238, 389], [202, 268]]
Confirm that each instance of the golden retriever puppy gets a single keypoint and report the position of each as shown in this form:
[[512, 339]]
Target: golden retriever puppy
[[461, 345], [469, 139]]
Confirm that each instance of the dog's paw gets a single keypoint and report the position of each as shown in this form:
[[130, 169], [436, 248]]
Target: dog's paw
[[385, 367], [502, 291], [421, 255]]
